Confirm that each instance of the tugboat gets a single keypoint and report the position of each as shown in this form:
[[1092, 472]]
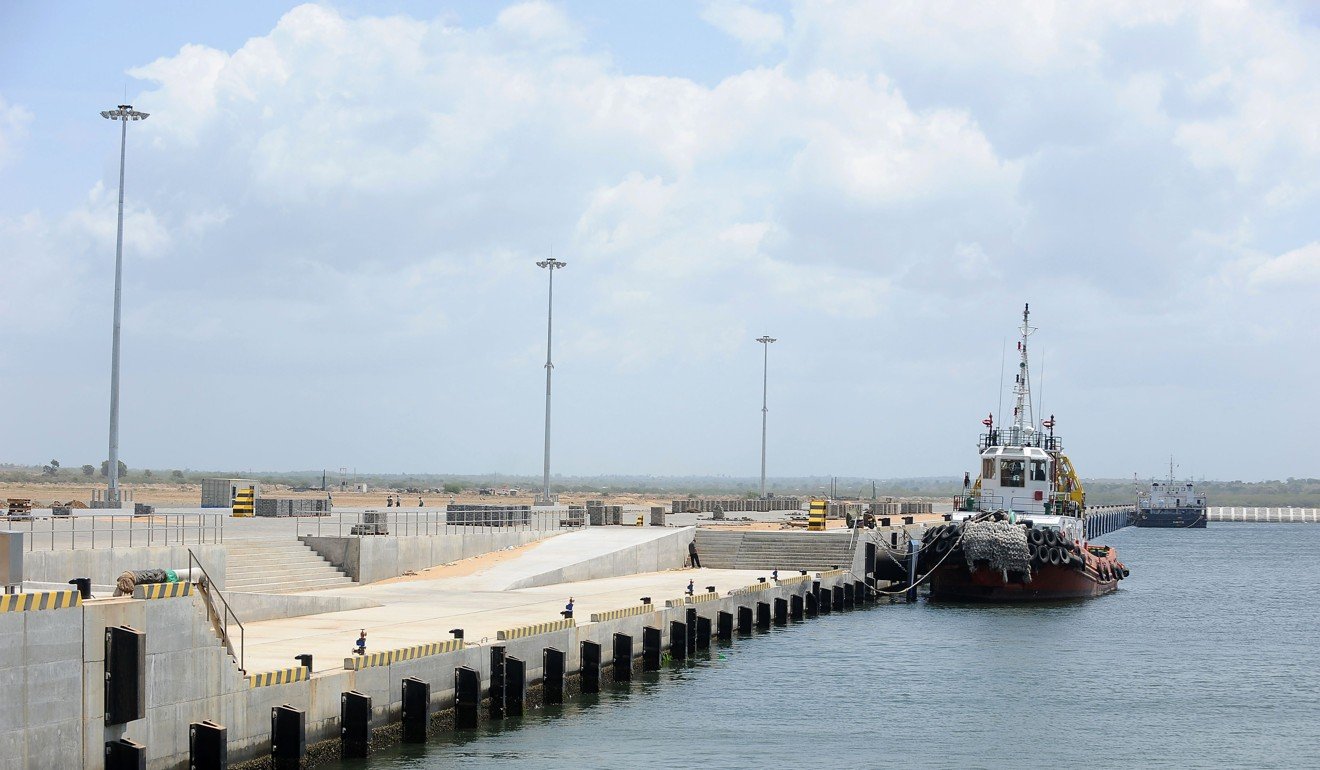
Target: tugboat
[[1171, 505], [1017, 534]]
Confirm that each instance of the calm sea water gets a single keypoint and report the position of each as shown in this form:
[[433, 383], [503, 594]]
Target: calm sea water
[[1208, 656]]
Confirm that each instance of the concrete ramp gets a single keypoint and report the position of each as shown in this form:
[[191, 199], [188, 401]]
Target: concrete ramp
[[588, 554]]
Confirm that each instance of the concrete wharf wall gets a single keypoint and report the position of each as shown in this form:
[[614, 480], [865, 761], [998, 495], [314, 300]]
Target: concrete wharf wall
[[369, 558], [104, 565], [52, 668], [1286, 515]]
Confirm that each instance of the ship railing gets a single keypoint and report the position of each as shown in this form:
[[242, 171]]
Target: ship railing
[[1015, 437]]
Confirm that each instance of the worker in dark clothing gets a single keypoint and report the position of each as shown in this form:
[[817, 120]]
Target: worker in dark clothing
[[692, 553], [568, 608], [360, 648], [691, 588]]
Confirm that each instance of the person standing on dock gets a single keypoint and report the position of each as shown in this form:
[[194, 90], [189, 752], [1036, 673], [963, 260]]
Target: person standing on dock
[[691, 588], [568, 609], [774, 575], [360, 648], [692, 554]]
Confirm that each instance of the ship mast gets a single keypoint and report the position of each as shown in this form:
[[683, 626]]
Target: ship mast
[[1023, 416]]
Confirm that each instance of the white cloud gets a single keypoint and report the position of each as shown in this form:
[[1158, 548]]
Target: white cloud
[[14, 120], [758, 30], [1299, 268]]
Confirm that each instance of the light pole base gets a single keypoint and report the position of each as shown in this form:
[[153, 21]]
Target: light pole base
[[543, 501]]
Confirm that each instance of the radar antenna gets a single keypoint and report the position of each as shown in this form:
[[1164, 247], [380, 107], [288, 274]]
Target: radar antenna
[[1023, 415]]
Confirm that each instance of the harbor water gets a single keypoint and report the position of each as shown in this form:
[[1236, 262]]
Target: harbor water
[[1207, 656]]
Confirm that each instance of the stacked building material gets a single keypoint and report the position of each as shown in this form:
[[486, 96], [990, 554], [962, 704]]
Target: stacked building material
[[736, 505], [489, 515], [284, 506], [915, 508], [576, 517]]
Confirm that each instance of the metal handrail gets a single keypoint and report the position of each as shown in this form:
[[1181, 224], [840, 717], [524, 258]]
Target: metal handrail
[[220, 621], [160, 529], [404, 523]]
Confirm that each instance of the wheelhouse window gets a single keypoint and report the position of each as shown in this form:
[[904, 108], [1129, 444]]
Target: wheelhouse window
[[1038, 470], [987, 469], [1014, 473]]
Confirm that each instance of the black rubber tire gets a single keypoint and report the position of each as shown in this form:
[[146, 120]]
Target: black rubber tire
[[1051, 538], [1035, 536], [1056, 556]]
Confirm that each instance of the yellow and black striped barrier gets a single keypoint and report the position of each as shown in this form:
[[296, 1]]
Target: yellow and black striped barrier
[[372, 659], [162, 590], [830, 573], [641, 520], [40, 600], [534, 629], [627, 612], [245, 503], [788, 581], [816, 516], [710, 597], [283, 676], [672, 603], [751, 589]]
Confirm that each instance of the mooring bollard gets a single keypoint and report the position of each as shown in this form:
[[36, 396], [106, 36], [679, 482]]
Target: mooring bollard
[[724, 626], [795, 607], [763, 615], [467, 698], [552, 661], [124, 754], [677, 639], [744, 620], [515, 686], [497, 655], [354, 724], [415, 713], [208, 746], [590, 674], [623, 648], [781, 611], [288, 737]]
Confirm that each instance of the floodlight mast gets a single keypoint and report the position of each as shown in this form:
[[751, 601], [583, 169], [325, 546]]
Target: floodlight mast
[[552, 265], [765, 381], [124, 113]]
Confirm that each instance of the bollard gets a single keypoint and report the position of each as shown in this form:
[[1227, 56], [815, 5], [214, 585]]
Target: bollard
[[288, 737], [208, 746], [781, 612], [836, 598], [515, 686], [762, 615], [703, 633], [849, 600], [496, 692], [677, 640], [724, 626], [590, 674], [650, 648], [415, 713], [124, 754], [744, 620], [623, 647], [84, 586], [467, 698], [691, 621], [354, 724], [552, 661], [795, 607], [125, 675], [305, 660]]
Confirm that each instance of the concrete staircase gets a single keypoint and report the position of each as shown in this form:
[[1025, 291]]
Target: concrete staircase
[[773, 550], [278, 566]]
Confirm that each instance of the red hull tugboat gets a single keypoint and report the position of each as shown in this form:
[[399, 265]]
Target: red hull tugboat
[[1017, 533]]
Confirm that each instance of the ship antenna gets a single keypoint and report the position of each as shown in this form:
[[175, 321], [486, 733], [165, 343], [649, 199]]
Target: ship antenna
[[1003, 358], [1022, 412], [1040, 401]]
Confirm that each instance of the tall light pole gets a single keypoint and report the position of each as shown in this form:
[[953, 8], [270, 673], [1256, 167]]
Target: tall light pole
[[552, 265], [123, 113], [765, 382]]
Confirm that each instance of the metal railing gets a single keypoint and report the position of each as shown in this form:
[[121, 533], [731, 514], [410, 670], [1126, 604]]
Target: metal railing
[[406, 523], [219, 620], [117, 530]]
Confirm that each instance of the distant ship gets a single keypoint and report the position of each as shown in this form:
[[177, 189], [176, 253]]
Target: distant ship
[[1017, 534], [1171, 505]]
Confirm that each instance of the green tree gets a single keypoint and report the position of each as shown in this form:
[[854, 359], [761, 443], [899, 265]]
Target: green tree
[[453, 487], [89, 470], [146, 473], [176, 475], [52, 469]]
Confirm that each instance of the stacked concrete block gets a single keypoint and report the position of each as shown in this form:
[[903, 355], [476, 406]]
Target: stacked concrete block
[[576, 517], [278, 507], [736, 505], [657, 515], [489, 515]]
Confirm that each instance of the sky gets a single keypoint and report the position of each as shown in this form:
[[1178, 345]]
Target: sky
[[334, 212]]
